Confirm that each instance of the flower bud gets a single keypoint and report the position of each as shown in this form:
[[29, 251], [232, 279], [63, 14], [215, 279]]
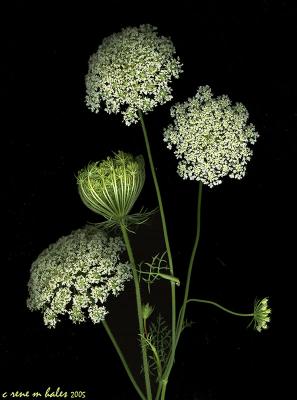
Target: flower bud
[[147, 311], [261, 314], [111, 187]]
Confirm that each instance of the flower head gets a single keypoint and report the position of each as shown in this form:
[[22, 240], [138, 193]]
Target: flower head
[[261, 314], [131, 71], [111, 187], [211, 138], [76, 275]]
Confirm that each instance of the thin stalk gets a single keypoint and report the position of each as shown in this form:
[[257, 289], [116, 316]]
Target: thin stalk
[[186, 295], [191, 263], [139, 312], [124, 362], [221, 307], [165, 233]]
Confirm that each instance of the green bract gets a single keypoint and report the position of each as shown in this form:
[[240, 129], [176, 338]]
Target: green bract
[[111, 187], [211, 138], [131, 71], [75, 276]]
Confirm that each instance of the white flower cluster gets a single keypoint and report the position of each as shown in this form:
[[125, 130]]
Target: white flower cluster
[[131, 71], [75, 276], [211, 138]]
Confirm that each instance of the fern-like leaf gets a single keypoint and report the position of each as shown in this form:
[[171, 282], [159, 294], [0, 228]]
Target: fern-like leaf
[[158, 342]]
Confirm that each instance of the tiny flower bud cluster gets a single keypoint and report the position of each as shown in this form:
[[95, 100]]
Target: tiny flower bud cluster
[[131, 71], [76, 275], [211, 138], [261, 314]]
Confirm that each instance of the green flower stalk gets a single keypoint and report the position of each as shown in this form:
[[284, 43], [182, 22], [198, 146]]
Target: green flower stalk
[[111, 187], [75, 276], [211, 138], [131, 71], [261, 313]]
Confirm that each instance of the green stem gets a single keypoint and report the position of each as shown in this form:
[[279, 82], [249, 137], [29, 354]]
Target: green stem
[[183, 309], [165, 233], [124, 362], [186, 295], [221, 307], [164, 385], [144, 328], [139, 312]]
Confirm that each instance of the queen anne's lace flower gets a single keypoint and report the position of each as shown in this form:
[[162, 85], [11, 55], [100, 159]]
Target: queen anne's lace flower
[[75, 276], [211, 138], [131, 71]]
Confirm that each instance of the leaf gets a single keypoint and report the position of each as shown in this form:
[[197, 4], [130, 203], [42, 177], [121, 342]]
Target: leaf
[[150, 272], [158, 342]]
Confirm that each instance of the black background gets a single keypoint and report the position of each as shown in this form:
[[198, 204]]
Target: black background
[[243, 49]]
